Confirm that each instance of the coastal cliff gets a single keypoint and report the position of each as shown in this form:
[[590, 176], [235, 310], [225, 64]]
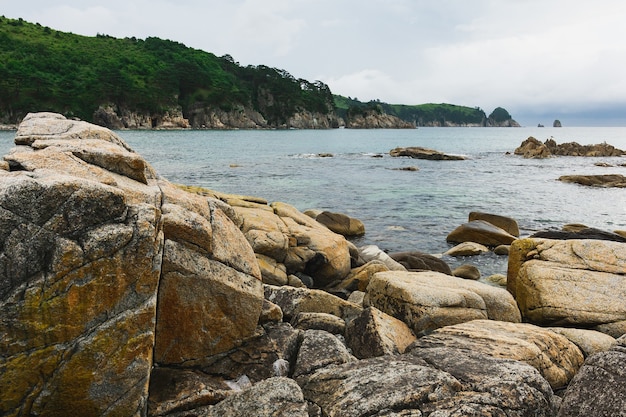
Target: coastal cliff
[[160, 84]]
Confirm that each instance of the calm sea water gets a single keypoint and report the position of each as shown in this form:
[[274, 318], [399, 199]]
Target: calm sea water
[[402, 210]]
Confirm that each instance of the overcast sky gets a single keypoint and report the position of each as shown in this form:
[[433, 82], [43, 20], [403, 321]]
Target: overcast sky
[[539, 59]]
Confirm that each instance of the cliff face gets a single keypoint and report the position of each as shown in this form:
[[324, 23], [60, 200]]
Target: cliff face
[[200, 117], [114, 117], [376, 120]]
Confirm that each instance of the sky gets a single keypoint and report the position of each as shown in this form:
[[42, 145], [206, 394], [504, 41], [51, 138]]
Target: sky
[[540, 59]]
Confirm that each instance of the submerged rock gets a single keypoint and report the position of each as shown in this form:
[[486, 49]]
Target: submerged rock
[[606, 180], [417, 152]]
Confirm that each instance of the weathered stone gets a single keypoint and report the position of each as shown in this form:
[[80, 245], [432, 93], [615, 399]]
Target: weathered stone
[[320, 349], [174, 390], [374, 333], [188, 282], [301, 300], [588, 341], [418, 261], [257, 357], [466, 271], [70, 305], [270, 312], [505, 223], [441, 382], [269, 398], [341, 223], [319, 321], [428, 300], [359, 278], [553, 355], [297, 241], [480, 231], [273, 273], [424, 153], [598, 388], [570, 283], [600, 180], [357, 297], [467, 249]]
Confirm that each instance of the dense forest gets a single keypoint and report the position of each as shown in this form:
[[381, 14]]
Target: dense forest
[[42, 69]]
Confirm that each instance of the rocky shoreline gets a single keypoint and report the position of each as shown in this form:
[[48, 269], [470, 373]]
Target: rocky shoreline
[[124, 294]]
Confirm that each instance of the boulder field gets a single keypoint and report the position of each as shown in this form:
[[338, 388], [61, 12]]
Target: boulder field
[[122, 294]]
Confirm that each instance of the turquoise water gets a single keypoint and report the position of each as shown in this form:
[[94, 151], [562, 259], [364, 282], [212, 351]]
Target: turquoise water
[[402, 210]]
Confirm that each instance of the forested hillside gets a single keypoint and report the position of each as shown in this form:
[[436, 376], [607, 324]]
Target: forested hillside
[[44, 69], [138, 83]]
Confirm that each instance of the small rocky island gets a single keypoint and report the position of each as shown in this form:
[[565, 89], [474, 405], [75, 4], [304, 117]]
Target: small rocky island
[[122, 294]]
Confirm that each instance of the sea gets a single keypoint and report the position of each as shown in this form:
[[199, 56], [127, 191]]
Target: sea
[[406, 204]]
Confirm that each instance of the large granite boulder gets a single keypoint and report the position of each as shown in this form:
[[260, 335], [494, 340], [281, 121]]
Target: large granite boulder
[[480, 231], [92, 245], [553, 355], [598, 388], [573, 283], [428, 300]]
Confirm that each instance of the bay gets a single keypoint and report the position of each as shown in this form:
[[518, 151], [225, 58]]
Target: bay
[[402, 210]]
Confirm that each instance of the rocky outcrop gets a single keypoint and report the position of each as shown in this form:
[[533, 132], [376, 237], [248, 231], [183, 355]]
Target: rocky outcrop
[[424, 153], [604, 181], [376, 120], [297, 243], [533, 148], [114, 117], [577, 283], [96, 248]]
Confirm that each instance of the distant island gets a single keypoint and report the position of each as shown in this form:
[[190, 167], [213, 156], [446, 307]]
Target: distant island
[[153, 83]]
